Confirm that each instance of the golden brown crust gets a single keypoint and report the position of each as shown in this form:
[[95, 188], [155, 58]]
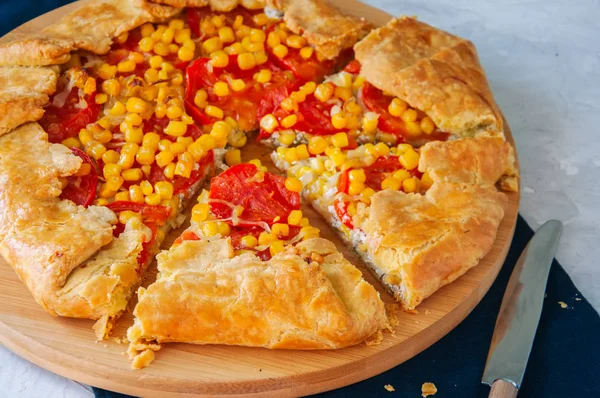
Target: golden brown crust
[[23, 94], [324, 26], [91, 27], [477, 160], [419, 243], [433, 71], [205, 295]]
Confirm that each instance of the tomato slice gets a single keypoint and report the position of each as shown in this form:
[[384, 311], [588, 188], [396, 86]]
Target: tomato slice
[[187, 235], [156, 214], [66, 121], [81, 190], [381, 169], [262, 200], [341, 210], [271, 101], [196, 15], [241, 105], [344, 181], [353, 67], [377, 102]]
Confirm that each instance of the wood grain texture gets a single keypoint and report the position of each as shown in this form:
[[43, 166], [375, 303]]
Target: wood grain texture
[[67, 346]]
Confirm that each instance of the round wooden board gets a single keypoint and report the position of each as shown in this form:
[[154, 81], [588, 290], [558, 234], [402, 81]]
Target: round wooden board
[[67, 346]]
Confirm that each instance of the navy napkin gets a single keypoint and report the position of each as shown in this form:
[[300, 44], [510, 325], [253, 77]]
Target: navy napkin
[[564, 361]]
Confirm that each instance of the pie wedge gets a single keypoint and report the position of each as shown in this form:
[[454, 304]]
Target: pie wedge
[[239, 276]]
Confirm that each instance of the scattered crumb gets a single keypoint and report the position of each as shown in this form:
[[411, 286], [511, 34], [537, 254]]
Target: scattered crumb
[[577, 299], [414, 312], [417, 322], [427, 312], [563, 304], [375, 339], [428, 389], [105, 345], [389, 387], [391, 310]]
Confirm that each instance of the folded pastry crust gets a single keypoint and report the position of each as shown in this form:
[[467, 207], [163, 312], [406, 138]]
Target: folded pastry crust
[[416, 243], [308, 297], [484, 161], [433, 71], [24, 93], [91, 27]]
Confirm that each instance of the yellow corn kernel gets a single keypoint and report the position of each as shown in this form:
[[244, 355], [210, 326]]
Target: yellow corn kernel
[[152, 199], [309, 232], [289, 104], [221, 89], [382, 149], [280, 51], [164, 145], [169, 171], [176, 128], [289, 121], [207, 141], [302, 152], [306, 52], [397, 107], [200, 212], [132, 174], [317, 145], [134, 119], [308, 88], [404, 147], [410, 185], [111, 170], [234, 49], [214, 111], [110, 156], [355, 188], [409, 159], [237, 139], [177, 148], [370, 121], [145, 156], [352, 108], [168, 35], [339, 121], [401, 175], [370, 149], [226, 34], [185, 54], [224, 229], [146, 169], [136, 57], [212, 44], [136, 194], [186, 141], [134, 135], [426, 124], [413, 128], [357, 176], [127, 215], [84, 170], [366, 194], [151, 141], [261, 57], [122, 196], [72, 142], [269, 123], [343, 93], [246, 61], [391, 183], [136, 105], [200, 99], [295, 41], [233, 157], [293, 184], [106, 71], [339, 140], [294, 217], [164, 189], [147, 29], [426, 181], [358, 82], [338, 158], [161, 49], [101, 98], [273, 40], [118, 109], [256, 162], [126, 66], [409, 115], [105, 192], [163, 158], [290, 155], [210, 228], [221, 129], [155, 61], [90, 86], [249, 241], [266, 238], [197, 150], [114, 183], [324, 92], [287, 138], [186, 157], [263, 76], [95, 149], [276, 247], [257, 35], [151, 76], [237, 85], [184, 169], [146, 187]]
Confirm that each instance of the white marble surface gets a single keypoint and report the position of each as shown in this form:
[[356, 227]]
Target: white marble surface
[[543, 61]]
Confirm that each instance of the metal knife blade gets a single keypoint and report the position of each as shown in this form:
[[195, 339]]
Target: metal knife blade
[[521, 308]]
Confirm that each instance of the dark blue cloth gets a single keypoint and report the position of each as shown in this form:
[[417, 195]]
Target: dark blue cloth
[[564, 361]]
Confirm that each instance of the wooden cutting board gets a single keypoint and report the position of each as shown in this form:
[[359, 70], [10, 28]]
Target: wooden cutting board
[[67, 346]]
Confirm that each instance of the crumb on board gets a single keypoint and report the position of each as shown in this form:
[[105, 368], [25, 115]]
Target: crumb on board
[[578, 299], [389, 387], [563, 304], [428, 389], [427, 312]]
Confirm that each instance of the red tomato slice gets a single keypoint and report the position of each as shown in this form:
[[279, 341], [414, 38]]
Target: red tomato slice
[[187, 235], [156, 214], [344, 181], [314, 118], [145, 252], [381, 169], [377, 102], [195, 16], [270, 103], [352, 67], [341, 210], [131, 44], [66, 121], [81, 190], [262, 200]]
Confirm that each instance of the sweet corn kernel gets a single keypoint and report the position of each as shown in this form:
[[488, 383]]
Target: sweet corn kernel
[[237, 85], [200, 98], [317, 145], [105, 192], [426, 124], [338, 158], [212, 44], [175, 128], [132, 174], [413, 128], [147, 29], [266, 238], [309, 232], [127, 215], [280, 230], [146, 187], [358, 82], [391, 183], [214, 111], [185, 54], [306, 52], [106, 71], [221, 89], [290, 155], [177, 148], [276, 247], [210, 228], [409, 115], [169, 171], [184, 169], [114, 183], [324, 92], [136, 194], [339, 140], [101, 98], [269, 123], [293, 184], [151, 141], [304, 222], [111, 170], [246, 61], [355, 188], [382, 149], [426, 181], [308, 88], [126, 66], [84, 170], [289, 104], [343, 93], [401, 175], [249, 241], [404, 147], [370, 121], [263, 76], [164, 189], [136, 105], [200, 212], [289, 121], [255, 162], [110, 156], [226, 34], [234, 49], [72, 142], [95, 149], [397, 107], [294, 217], [409, 159], [163, 158], [134, 135], [280, 51], [257, 35], [410, 185], [118, 109], [152, 199], [122, 196], [339, 122], [352, 108], [366, 194], [207, 141], [155, 61], [302, 152], [357, 176], [233, 157], [287, 138], [145, 156]]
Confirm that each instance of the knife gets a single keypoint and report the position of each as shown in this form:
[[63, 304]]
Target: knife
[[520, 313]]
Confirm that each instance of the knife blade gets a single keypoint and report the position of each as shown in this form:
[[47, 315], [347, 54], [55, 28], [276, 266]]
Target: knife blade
[[520, 313]]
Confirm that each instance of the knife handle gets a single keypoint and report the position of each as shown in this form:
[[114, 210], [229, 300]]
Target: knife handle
[[503, 389]]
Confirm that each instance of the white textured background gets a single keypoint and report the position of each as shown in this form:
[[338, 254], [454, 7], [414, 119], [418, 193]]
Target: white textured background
[[543, 62]]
